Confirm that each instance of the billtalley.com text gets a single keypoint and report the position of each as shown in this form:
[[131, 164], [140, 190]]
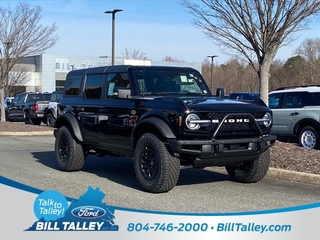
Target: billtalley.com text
[[252, 227]]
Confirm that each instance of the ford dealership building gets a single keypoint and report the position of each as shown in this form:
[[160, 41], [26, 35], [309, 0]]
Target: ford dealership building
[[47, 72]]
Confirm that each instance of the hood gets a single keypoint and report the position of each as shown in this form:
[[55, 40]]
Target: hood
[[221, 104]]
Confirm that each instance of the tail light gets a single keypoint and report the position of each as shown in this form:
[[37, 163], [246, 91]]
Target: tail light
[[35, 107]]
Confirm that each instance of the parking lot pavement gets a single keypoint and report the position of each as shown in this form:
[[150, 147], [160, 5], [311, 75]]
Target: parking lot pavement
[[21, 130], [31, 160]]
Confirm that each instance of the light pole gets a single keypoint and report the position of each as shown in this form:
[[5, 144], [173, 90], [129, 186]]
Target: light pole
[[113, 12], [212, 57]]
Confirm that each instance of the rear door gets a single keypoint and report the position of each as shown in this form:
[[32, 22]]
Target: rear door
[[88, 108], [295, 108]]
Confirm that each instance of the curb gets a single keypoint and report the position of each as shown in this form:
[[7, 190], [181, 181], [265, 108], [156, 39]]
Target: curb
[[294, 176], [282, 174], [38, 133]]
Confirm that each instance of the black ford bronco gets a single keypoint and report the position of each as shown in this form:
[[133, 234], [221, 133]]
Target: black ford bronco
[[164, 118]]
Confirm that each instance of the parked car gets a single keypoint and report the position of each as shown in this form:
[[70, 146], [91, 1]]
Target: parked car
[[244, 96], [296, 114], [251, 97], [51, 111], [28, 107], [7, 101], [163, 118]]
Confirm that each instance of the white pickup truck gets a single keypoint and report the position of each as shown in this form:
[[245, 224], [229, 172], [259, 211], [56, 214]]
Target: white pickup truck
[[51, 113]]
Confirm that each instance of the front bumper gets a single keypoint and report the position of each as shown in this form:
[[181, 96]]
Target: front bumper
[[222, 152]]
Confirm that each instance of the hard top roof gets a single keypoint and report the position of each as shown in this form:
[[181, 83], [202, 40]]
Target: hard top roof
[[310, 88], [124, 68]]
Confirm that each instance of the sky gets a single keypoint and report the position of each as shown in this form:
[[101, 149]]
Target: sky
[[158, 28]]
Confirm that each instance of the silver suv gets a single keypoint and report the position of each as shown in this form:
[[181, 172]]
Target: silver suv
[[296, 114]]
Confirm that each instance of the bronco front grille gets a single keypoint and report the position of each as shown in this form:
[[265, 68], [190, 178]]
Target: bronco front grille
[[235, 124], [221, 115]]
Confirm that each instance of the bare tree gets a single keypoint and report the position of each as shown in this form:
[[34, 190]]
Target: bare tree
[[21, 35], [253, 28], [171, 59], [278, 77], [234, 76], [18, 76], [134, 54], [310, 51]]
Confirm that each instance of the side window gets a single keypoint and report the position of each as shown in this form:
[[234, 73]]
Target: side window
[[317, 97], [53, 97], [293, 100], [93, 86], [45, 97], [59, 96], [20, 99], [116, 81], [275, 100], [15, 100], [72, 85], [308, 100]]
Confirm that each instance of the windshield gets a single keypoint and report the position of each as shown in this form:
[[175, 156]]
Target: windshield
[[170, 82]]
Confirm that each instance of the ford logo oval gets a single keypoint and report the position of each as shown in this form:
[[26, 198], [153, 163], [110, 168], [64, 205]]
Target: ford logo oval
[[88, 212]]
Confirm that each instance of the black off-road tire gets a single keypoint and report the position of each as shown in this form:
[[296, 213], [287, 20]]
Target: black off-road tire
[[36, 121], [7, 117], [69, 154], [309, 137], [27, 118], [33, 121], [250, 172], [50, 120], [156, 169]]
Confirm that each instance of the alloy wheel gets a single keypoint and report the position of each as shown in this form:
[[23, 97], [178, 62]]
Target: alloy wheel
[[308, 139], [148, 163], [63, 149]]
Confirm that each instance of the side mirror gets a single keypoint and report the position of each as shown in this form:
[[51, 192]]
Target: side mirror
[[123, 93], [220, 92]]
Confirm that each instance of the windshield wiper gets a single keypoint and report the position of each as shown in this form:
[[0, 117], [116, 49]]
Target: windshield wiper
[[191, 93], [175, 93], [159, 93]]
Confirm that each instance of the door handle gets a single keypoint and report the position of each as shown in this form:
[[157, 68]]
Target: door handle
[[294, 114]]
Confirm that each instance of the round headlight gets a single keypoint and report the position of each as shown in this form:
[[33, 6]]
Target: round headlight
[[267, 120], [189, 121]]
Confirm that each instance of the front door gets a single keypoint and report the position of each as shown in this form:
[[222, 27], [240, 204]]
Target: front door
[[15, 109], [117, 115]]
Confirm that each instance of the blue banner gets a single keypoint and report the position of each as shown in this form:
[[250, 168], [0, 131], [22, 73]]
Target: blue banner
[[38, 214]]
